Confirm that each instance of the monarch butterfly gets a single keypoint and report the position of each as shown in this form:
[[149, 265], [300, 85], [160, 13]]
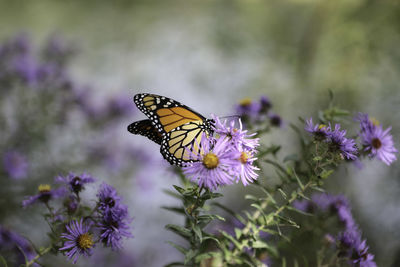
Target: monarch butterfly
[[176, 127]]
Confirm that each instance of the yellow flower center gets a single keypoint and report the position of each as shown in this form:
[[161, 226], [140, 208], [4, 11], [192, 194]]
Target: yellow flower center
[[244, 156], [85, 241], [210, 161], [376, 143], [321, 126], [245, 102], [43, 188], [374, 121]]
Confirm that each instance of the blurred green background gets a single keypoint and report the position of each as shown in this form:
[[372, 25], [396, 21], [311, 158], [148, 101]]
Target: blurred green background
[[211, 54]]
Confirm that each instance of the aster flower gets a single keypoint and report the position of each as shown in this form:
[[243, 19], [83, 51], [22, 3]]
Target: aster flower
[[214, 164], [108, 197], [320, 131], [45, 194], [237, 136], [75, 182], [275, 120], [115, 220], [265, 104], [15, 164], [378, 142], [339, 142], [114, 226], [248, 110], [77, 240], [244, 167]]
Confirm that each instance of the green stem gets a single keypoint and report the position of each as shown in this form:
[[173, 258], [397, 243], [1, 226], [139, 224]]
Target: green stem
[[43, 252]]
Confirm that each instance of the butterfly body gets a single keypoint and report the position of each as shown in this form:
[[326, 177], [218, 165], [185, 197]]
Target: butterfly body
[[176, 127]]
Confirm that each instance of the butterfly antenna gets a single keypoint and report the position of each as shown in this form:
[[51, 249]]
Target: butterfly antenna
[[230, 116]]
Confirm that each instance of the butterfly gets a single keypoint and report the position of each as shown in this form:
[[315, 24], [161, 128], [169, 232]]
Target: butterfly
[[176, 127]]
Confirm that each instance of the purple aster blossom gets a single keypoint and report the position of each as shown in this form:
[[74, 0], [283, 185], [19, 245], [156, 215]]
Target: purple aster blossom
[[378, 142], [339, 142], [15, 164], [320, 131], [248, 110], [45, 194], [77, 240], [16, 245], [114, 226], [361, 257], [75, 182], [243, 165], [108, 198], [237, 136], [265, 104], [275, 120], [214, 164]]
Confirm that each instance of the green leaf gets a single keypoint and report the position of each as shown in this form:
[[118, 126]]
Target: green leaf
[[189, 256], [251, 197], [176, 263], [317, 158], [230, 238], [179, 230], [259, 244], [199, 258], [238, 233], [3, 261], [292, 157], [198, 233], [179, 189], [211, 238], [282, 193], [178, 247], [326, 173]]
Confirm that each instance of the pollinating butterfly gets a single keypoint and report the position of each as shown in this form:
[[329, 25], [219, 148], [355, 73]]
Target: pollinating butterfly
[[177, 128]]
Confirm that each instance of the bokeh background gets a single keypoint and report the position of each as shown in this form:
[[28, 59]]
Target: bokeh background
[[208, 55]]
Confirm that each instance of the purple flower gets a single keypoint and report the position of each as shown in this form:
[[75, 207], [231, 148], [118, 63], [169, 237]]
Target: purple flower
[[339, 142], [320, 131], [378, 142], [15, 244], [236, 135], [275, 120], [244, 168], [108, 197], [361, 257], [115, 218], [265, 104], [214, 164], [75, 182], [78, 240], [45, 194], [248, 109], [114, 226], [15, 164]]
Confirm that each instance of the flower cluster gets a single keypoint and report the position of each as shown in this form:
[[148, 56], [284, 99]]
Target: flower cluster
[[257, 111], [79, 226], [225, 158], [115, 220], [348, 241], [376, 141], [335, 137]]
